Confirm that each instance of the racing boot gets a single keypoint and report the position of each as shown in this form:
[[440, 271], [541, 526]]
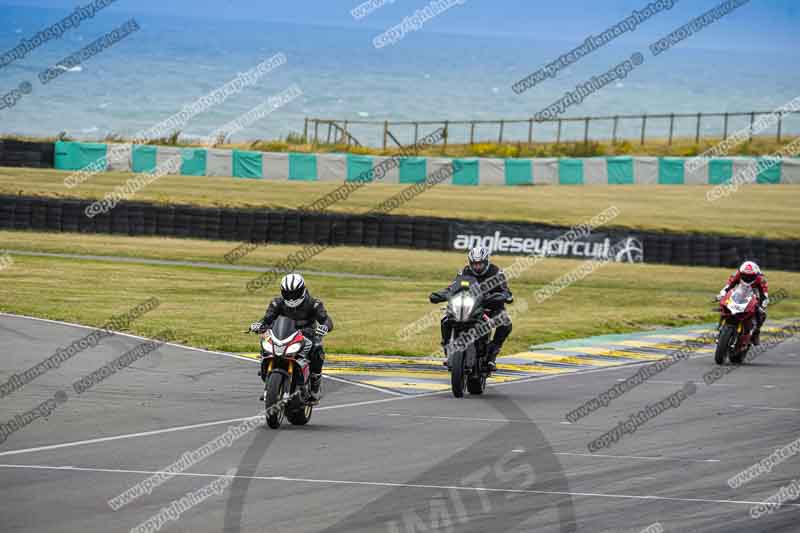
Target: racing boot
[[316, 388], [491, 355], [756, 336], [262, 374]]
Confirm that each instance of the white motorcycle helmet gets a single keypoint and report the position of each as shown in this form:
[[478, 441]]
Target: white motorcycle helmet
[[293, 289], [478, 260]]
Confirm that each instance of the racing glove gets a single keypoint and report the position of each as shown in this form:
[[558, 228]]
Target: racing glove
[[321, 330], [721, 294], [255, 327]]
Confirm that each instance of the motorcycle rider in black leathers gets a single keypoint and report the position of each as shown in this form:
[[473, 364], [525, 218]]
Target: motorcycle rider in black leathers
[[497, 293], [310, 316]]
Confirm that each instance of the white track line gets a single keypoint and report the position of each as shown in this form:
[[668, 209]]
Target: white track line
[[397, 485], [189, 427], [641, 457], [234, 420], [365, 386], [241, 419], [192, 348], [681, 383], [765, 408], [459, 418]]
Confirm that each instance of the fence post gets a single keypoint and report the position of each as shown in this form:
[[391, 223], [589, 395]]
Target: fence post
[[614, 135], [671, 127], [586, 131], [416, 133], [725, 128], [780, 125], [752, 122], [328, 139], [558, 138], [305, 130], [697, 132], [446, 135], [502, 126], [385, 132], [472, 133], [644, 126], [316, 131], [530, 131], [346, 134]]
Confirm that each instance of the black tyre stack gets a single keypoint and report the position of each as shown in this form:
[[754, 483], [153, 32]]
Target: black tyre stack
[[295, 227], [15, 153]]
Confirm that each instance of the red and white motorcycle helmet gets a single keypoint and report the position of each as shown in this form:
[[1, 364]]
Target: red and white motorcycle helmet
[[749, 271]]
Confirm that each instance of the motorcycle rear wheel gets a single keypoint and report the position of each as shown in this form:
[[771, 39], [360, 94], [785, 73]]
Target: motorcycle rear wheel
[[275, 413], [724, 343]]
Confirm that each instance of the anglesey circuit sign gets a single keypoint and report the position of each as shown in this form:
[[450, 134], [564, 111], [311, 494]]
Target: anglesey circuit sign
[[547, 242]]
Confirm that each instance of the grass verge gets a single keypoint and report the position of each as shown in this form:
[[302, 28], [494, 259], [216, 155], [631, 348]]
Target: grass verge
[[209, 308]]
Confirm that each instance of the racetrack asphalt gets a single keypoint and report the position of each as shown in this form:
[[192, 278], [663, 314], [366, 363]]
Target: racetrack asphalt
[[371, 460]]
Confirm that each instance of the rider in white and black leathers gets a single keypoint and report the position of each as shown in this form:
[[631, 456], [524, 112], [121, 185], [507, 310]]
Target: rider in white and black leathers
[[498, 294], [310, 316]]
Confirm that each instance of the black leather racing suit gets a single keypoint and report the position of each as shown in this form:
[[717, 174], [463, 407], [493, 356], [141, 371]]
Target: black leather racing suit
[[493, 281], [306, 316]]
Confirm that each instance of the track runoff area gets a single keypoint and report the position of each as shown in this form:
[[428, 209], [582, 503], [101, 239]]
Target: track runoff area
[[176, 441]]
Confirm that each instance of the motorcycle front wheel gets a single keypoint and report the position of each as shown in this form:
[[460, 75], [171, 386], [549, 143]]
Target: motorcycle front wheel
[[274, 395], [458, 374], [724, 343]]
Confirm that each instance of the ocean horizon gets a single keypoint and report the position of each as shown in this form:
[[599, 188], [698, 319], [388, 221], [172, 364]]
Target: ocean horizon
[[170, 62]]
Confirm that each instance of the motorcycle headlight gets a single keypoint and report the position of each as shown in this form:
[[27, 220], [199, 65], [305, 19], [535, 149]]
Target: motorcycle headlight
[[294, 348], [266, 345], [461, 306]]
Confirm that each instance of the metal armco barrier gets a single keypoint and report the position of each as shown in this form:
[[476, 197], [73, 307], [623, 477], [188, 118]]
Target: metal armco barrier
[[297, 227]]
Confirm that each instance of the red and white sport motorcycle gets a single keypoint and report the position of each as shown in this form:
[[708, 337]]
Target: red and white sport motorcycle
[[286, 371], [738, 319]]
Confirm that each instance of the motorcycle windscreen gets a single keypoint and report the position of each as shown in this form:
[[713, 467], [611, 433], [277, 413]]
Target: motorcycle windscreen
[[740, 298], [283, 328], [742, 294]]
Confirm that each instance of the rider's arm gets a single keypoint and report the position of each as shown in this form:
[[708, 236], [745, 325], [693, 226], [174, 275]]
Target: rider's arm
[[442, 295], [322, 315], [762, 285], [272, 313], [733, 280], [504, 286]]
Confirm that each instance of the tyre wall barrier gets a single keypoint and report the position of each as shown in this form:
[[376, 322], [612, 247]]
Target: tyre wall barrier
[[298, 227], [27, 154]]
